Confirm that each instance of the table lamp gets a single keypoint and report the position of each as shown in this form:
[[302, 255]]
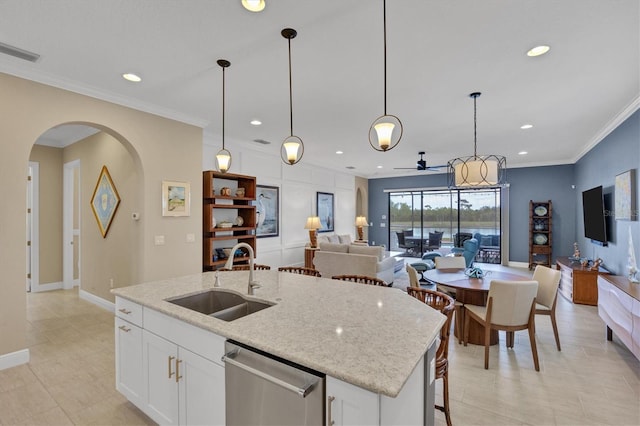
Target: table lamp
[[360, 222], [313, 224]]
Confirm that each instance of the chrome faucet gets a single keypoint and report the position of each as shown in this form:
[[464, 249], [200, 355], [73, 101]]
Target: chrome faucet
[[229, 265]]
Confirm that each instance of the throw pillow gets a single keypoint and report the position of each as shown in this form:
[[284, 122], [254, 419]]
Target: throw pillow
[[345, 239], [334, 239], [486, 241], [338, 248]]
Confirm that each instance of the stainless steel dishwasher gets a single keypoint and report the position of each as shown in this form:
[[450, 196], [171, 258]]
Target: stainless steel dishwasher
[[262, 389]]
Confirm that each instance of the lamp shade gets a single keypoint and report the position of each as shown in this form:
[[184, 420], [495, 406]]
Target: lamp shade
[[313, 222], [292, 150], [361, 221]]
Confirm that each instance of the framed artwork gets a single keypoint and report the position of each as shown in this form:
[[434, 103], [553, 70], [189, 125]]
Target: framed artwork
[[176, 198], [324, 210], [267, 214], [104, 201], [625, 196]]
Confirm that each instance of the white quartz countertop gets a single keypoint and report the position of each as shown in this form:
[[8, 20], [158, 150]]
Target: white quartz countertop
[[369, 336]]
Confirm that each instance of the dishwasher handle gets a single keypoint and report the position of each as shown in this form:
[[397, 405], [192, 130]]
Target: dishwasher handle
[[303, 392]]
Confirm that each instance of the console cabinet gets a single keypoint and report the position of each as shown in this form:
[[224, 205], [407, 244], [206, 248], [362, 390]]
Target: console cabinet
[[578, 284], [619, 308], [233, 209]]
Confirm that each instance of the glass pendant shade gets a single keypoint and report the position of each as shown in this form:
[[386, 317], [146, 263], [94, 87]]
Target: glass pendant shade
[[292, 150], [223, 160]]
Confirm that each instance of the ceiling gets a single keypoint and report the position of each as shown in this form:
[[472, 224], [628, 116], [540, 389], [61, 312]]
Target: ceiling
[[438, 52]]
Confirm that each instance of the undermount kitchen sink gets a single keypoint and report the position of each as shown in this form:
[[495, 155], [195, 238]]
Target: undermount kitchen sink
[[220, 304]]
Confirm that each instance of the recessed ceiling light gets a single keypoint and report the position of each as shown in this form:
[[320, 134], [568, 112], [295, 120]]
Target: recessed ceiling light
[[538, 50], [256, 122], [339, 152], [523, 153], [132, 77], [379, 167], [254, 5], [526, 126]]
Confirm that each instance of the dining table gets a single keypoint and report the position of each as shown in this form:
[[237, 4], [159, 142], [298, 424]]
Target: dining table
[[471, 291]]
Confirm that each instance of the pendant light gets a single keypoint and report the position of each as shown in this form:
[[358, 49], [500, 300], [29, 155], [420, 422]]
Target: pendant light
[[386, 131], [223, 157], [292, 147], [476, 171]]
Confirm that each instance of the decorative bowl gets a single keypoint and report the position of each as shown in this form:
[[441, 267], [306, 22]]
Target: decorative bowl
[[540, 211], [225, 224]]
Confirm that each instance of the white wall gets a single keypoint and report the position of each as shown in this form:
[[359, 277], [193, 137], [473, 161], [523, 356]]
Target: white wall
[[298, 186]]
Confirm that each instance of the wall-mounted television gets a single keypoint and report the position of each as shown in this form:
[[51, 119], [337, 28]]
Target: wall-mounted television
[[595, 224]]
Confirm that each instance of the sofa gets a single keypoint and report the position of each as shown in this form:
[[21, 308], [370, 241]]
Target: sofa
[[353, 259]]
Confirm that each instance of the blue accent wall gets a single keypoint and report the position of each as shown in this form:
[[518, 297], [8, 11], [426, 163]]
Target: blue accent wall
[[563, 185], [617, 153], [531, 183]]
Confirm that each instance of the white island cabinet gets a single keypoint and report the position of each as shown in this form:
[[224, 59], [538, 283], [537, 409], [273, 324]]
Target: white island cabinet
[[169, 357], [159, 370]]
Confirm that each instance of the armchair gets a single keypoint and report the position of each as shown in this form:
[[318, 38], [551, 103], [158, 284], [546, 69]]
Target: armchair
[[469, 251]]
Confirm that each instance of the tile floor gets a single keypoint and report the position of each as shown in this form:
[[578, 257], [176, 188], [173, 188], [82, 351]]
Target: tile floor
[[70, 379]]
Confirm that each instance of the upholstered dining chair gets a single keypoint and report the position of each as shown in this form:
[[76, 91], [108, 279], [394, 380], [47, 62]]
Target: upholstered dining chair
[[300, 270], [511, 306], [414, 281], [548, 280], [452, 262], [363, 279], [444, 304]]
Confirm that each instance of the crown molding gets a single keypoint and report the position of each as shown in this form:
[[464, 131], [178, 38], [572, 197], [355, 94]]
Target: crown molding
[[93, 92]]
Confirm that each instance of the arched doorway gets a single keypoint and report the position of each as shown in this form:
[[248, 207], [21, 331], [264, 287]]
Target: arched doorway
[[70, 249]]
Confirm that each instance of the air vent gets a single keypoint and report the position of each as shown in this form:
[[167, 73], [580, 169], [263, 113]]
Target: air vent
[[262, 141], [19, 53], [350, 167]]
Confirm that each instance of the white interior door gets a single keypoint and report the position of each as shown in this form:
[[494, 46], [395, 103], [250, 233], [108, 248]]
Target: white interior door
[[71, 225], [32, 242]]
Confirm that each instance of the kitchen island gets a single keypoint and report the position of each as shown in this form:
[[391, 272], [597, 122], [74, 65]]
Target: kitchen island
[[367, 336]]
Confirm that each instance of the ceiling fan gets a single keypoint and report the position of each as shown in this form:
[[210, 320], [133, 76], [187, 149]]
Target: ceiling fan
[[421, 165]]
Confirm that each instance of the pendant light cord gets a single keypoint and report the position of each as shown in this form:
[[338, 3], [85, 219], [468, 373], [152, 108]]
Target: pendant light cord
[[223, 107], [475, 95], [290, 92], [384, 21]]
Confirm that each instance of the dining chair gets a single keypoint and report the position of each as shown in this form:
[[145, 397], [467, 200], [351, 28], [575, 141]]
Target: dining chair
[[256, 267], [452, 262], [363, 279], [444, 304], [548, 280], [300, 270], [414, 281], [511, 306]]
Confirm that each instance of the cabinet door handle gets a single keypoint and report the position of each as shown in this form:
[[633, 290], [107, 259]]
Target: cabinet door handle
[[330, 421], [125, 329], [171, 358], [178, 376], [125, 311]]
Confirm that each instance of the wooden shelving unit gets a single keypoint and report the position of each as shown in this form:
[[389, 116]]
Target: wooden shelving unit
[[218, 208], [540, 233]]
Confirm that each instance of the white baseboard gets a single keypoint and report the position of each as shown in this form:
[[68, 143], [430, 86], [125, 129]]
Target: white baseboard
[[48, 287], [14, 359], [519, 264], [104, 304]]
